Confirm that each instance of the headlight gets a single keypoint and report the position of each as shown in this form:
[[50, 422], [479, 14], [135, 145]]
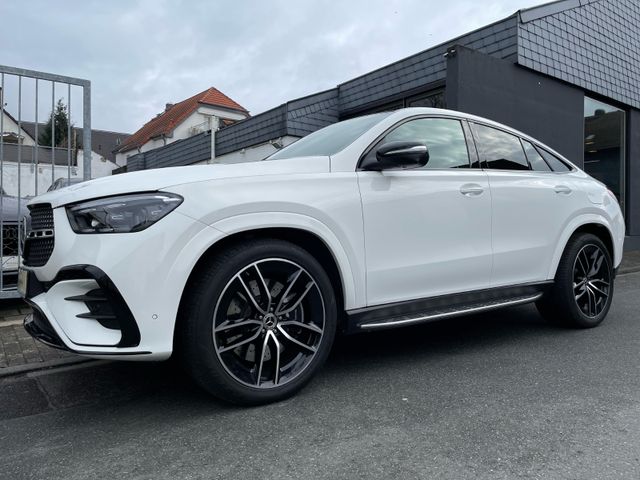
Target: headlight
[[122, 214]]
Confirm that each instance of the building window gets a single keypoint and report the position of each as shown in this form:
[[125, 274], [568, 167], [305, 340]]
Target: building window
[[387, 107], [604, 138], [433, 99]]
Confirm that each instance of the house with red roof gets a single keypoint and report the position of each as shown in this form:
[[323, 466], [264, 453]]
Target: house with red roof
[[207, 110]]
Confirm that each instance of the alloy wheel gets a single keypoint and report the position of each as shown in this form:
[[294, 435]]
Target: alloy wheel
[[591, 280], [268, 323]]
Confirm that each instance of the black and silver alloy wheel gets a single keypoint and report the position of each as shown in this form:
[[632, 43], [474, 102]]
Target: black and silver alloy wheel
[[268, 323], [582, 290], [591, 280], [257, 321]]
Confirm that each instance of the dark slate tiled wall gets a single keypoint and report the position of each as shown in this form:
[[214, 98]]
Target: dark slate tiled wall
[[308, 114], [595, 46], [135, 162], [182, 152], [252, 131], [425, 67]]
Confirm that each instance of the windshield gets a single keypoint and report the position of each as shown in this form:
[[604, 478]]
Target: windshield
[[329, 140]]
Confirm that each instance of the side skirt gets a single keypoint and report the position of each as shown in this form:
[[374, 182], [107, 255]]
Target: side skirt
[[436, 308]]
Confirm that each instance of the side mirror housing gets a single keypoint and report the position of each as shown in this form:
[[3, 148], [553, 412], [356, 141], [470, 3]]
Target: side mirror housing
[[399, 155]]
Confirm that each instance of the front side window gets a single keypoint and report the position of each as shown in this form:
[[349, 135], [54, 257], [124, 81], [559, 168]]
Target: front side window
[[443, 137], [499, 150]]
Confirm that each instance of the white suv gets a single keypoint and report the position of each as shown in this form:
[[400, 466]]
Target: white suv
[[248, 270]]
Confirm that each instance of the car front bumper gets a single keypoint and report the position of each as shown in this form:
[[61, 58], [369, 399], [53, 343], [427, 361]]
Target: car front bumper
[[115, 295]]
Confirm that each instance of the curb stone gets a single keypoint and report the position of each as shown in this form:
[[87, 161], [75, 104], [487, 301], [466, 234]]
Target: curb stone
[[49, 364]]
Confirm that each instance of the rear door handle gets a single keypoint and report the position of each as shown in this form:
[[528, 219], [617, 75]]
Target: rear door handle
[[562, 189], [471, 189]]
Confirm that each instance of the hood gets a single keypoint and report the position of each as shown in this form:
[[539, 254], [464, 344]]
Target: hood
[[10, 211], [163, 178]]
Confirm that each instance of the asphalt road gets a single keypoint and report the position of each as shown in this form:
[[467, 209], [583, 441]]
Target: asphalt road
[[501, 396]]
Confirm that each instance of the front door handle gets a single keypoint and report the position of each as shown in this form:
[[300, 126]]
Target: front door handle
[[562, 189], [471, 189]]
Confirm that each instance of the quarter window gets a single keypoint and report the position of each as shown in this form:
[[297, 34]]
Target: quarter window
[[443, 137], [556, 164], [499, 150], [535, 159]]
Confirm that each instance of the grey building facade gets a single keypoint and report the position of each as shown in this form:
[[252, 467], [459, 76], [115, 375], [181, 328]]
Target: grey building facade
[[567, 73]]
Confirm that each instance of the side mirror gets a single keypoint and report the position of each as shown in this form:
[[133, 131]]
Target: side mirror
[[399, 155]]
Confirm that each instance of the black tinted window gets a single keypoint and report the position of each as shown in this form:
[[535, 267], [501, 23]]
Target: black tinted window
[[499, 150], [554, 162], [443, 137], [535, 159]]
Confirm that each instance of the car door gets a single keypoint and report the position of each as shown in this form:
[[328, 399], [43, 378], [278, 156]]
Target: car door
[[531, 204], [427, 230]]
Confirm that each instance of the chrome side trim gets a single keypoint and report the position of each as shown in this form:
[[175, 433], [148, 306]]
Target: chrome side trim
[[454, 313]]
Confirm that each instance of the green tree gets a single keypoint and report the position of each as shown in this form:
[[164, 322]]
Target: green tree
[[61, 127]]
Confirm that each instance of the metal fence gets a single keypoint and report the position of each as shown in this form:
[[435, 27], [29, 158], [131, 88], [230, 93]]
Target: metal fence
[[24, 161]]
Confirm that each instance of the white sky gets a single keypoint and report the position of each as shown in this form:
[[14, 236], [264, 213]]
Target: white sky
[[142, 54]]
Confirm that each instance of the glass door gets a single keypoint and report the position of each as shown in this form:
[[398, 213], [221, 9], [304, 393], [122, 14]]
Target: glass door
[[604, 138]]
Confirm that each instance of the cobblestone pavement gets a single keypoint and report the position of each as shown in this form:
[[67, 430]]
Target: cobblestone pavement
[[13, 311], [18, 348]]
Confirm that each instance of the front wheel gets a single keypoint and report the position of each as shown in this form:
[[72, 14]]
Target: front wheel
[[583, 289], [259, 323]]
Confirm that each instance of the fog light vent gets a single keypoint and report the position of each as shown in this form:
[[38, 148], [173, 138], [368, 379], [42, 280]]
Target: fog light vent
[[99, 308]]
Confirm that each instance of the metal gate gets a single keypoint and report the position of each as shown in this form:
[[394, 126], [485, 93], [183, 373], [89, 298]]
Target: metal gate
[[27, 166]]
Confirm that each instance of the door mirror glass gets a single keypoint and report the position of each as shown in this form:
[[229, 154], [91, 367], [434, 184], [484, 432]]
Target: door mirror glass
[[400, 155]]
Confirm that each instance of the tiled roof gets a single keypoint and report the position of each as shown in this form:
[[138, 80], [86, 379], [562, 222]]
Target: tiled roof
[[164, 123]]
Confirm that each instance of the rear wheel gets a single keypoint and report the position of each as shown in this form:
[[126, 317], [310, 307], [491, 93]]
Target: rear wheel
[[583, 288], [259, 323]]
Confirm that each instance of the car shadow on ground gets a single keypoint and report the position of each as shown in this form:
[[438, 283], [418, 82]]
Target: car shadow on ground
[[375, 356]]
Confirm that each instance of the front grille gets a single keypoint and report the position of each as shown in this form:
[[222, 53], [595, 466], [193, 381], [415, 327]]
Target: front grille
[[41, 216], [10, 240], [39, 243]]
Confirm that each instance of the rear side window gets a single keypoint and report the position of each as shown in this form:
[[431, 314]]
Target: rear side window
[[499, 150], [554, 162], [535, 159]]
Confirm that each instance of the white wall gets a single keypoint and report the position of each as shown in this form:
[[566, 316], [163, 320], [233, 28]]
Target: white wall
[[100, 167], [254, 153], [9, 126]]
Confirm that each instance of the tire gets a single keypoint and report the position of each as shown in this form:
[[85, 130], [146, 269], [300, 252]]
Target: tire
[[585, 263], [266, 299]]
